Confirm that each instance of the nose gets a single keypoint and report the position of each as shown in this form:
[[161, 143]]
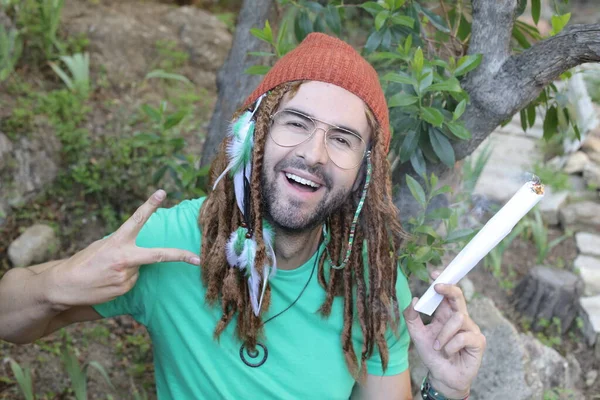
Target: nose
[[313, 151]]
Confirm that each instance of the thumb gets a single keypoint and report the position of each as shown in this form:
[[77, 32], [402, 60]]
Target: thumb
[[414, 323]]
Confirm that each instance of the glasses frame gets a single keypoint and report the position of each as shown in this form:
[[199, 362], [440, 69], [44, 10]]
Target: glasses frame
[[309, 137]]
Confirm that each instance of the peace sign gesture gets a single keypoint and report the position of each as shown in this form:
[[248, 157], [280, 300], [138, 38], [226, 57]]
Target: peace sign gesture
[[451, 345], [110, 267]]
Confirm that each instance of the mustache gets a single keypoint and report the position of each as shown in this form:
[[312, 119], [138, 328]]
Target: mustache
[[299, 165]]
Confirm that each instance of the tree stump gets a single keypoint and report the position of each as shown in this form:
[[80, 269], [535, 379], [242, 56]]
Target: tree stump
[[546, 293]]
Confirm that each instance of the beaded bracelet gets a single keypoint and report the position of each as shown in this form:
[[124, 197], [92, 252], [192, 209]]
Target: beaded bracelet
[[428, 392]]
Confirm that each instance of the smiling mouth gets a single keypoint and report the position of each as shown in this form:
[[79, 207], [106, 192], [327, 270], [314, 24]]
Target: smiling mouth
[[302, 183]]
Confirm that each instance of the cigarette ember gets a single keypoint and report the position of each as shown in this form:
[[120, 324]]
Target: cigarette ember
[[538, 188], [496, 229]]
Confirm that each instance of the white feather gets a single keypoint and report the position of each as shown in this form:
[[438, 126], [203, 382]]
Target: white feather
[[253, 284], [264, 287], [232, 257], [246, 259], [238, 186]]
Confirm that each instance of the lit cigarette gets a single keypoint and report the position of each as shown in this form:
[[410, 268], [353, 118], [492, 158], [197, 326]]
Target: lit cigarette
[[496, 229]]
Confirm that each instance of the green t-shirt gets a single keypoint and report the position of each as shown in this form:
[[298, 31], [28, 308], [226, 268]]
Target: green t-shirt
[[305, 358]]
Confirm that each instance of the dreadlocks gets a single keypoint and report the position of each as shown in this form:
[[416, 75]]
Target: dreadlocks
[[376, 302]]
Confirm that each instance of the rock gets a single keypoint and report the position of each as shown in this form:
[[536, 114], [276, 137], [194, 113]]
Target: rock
[[591, 146], [468, 288], [577, 183], [591, 175], [504, 174], [6, 148], [576, 162], [37, 244], [552, 368], [590, 314], [506, 371], [588, 243], [589, 269], [124, 37], [551, 204], [590, 377], [582, 216]]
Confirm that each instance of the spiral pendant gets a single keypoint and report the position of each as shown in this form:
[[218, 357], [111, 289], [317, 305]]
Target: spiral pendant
[[254, 358]]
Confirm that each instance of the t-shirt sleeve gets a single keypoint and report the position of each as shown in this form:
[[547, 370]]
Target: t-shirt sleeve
[[138, 302], [397, 344]]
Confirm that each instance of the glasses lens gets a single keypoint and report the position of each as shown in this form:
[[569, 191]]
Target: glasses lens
[[345, 148], [290, 128]]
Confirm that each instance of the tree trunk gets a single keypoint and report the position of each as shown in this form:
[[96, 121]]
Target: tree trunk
[[546, 293], [232, 84]]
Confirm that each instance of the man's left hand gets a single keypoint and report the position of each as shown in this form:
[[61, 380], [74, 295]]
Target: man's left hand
[[451, 345]]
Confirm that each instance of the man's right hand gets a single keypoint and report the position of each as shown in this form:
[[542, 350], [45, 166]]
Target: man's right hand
[[109, 267]]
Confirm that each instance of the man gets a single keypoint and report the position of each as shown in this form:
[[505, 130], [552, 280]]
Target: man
[[298, 243]]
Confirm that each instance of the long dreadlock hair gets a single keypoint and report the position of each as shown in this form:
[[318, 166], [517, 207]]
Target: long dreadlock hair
[[379, 226]]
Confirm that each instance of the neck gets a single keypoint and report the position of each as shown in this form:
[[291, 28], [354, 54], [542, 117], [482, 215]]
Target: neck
[[293, 249]]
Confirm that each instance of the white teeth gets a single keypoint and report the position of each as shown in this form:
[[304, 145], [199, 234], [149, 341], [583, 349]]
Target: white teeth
[[302, 180]]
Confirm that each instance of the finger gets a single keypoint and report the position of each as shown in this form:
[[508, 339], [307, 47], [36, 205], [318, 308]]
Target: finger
[[470, 341], [134, 224], [457, 323], [435, 274], [454, 295], [159, 255], [413, 319]]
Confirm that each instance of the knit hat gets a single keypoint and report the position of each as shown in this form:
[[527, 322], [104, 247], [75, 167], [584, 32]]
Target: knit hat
[[327, 59]]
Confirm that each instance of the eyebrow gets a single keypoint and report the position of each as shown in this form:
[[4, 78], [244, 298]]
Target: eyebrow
[[339, 126]]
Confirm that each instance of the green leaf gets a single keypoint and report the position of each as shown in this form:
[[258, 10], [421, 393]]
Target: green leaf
[[523, 118], [418, 60], [268, 32], [399, 78], [260, 34], [521, 6], [464, 29], [459, 110], [449, 85], [402, 99], [437, 21], [559, 22], [427, 230], [467, 63], [550, 123], [371, 7], [408, 44], [380, 19], [409, 145], [417, 161], [439, 213], [398, 4], [433, 116], [425, 80], [535, 10], [531, 115], [423, 254], [520, 37], [403, 20], [332, 17], [152, 112], [159, 73], [260, 54], [257, 70], [459, 130], [314, 6], [174, 119], [442, 147], [373, 41], [416, 190], [442, 190], [458, 235], [302, 25]]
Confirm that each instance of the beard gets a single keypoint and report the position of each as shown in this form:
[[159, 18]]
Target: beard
[[289, 217]]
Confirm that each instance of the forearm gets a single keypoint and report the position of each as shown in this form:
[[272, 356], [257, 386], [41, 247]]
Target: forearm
[[25, 311]]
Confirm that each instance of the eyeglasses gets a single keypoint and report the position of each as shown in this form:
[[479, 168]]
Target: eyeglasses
[[291, 128]]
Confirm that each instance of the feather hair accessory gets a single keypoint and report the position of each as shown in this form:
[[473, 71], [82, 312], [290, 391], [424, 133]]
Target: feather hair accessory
[[241, 247]]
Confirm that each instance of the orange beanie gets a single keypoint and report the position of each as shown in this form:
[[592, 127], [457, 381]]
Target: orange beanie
[[327, 59]]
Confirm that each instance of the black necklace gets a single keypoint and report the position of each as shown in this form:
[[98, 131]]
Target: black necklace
[[259, 356]]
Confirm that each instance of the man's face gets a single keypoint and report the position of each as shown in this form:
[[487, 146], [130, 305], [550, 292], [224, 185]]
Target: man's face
[[295, 206]]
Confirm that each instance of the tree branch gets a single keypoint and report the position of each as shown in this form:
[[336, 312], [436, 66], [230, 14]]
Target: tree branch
[[232, 84], [521, 78]]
